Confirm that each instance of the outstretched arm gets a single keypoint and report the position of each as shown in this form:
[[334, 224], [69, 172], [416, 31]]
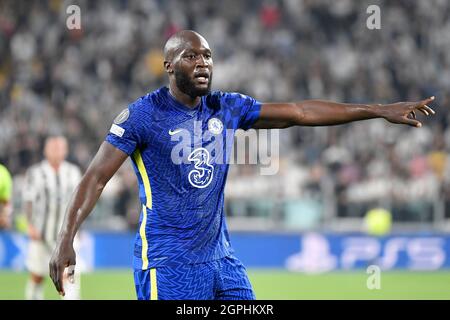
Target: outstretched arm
[[105, 163], [325, 113]]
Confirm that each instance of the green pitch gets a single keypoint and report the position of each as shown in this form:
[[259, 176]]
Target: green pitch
[[268, 284]]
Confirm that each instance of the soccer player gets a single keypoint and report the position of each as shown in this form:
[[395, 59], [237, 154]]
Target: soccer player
[[182, 248], [5, 196], [48, 187]]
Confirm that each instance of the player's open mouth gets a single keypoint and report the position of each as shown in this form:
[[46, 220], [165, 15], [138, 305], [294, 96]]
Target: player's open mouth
[[202, 77]]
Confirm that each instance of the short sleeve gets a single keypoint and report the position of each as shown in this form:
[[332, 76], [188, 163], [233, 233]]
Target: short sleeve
[[125, 132], [244, 109]]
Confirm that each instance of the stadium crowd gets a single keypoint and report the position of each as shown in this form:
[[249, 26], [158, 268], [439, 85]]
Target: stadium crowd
[[74, 82]]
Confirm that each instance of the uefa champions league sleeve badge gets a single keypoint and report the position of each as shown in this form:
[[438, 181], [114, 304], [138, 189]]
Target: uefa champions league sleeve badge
[[122, 117]]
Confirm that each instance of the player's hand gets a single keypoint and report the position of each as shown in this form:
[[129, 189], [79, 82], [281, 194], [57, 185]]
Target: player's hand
[[405, 112], [63, 256]]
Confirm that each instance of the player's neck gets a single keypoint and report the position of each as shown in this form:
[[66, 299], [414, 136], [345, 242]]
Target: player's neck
[[183, 98]]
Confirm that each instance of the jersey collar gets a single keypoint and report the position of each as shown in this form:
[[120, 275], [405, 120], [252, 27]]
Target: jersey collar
[[181, 107]]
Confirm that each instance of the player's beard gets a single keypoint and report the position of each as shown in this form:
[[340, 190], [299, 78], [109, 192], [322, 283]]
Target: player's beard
[[187, 85]]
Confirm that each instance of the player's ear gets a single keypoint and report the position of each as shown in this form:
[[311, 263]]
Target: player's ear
[[168, 66]]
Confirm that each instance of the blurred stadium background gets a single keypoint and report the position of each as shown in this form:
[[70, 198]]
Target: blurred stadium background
[[302, 232]]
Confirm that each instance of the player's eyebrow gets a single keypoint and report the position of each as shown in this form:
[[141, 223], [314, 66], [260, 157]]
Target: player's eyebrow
[[192, 50], [186, 51]]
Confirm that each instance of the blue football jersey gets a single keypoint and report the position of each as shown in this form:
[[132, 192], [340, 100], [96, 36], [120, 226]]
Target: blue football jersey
[[180, 156]]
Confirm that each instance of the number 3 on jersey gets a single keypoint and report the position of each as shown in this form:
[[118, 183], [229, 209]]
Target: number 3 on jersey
[[202, 174]]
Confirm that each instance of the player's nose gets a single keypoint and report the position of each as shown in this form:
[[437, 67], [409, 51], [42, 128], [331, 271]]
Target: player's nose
[[202, 61]]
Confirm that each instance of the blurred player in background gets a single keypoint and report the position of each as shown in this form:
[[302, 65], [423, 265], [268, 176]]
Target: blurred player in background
[[49, 185], [5, 197], [182, 248]]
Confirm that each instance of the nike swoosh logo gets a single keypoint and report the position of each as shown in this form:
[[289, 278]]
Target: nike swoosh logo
[[174, 131]]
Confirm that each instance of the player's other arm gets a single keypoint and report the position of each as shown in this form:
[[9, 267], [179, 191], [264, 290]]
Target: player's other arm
[[325, 113], [105, 163]]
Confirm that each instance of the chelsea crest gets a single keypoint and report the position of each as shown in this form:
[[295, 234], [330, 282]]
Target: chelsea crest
[[215, 126]]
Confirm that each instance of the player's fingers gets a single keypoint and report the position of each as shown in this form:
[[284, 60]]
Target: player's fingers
[[53, 276], [413, 114], [52, 273], [429, 110], [424, 111], [59, 280], [412, 122], [426, 101], [71, 273]]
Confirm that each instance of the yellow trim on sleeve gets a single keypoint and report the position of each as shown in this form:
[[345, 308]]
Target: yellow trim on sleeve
[[144, 238], [148, 204], [154, 286], [144, 176]]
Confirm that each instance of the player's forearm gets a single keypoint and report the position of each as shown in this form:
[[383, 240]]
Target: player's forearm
[[323, 113], [81, 205], [105, 163]]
